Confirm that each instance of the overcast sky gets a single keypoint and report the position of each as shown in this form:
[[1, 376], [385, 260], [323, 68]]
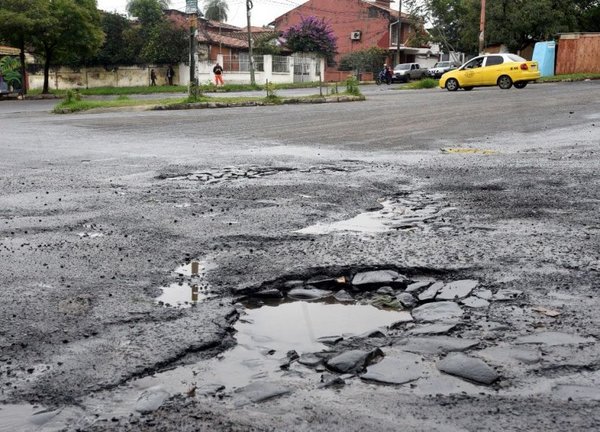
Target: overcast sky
[[264, 11]]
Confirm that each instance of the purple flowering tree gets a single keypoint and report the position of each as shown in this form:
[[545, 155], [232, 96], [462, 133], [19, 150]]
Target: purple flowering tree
[[312, 35]]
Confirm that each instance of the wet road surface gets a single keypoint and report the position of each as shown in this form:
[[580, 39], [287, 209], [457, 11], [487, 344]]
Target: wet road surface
[[474, 213]]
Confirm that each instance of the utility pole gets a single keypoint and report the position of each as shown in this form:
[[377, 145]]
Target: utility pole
[[191, 8], [399, 29], [249, 7], [482, 28]]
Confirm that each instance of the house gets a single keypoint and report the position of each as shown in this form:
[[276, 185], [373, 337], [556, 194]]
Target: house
[[358, 25]]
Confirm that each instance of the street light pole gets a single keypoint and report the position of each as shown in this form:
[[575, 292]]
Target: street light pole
[[399, 29], [249, 7], [191, 8], [482, 28]]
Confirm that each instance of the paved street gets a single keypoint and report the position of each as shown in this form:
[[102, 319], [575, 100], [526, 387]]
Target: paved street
[[488, 200]]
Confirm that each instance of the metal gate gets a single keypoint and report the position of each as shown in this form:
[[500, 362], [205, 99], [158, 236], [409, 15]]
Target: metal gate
[[302, 69]]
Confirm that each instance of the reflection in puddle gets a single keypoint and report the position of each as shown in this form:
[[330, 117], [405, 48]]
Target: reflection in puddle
[[264, 336], [182, 295], [186, 294], [411, 212]]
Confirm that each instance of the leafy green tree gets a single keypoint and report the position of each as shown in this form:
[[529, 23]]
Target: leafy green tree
[[166, 43], [19, 21], [367, 60], [266, 44], [312, 35], [148, 12], [514, 23], [116, 48], [70, 33]]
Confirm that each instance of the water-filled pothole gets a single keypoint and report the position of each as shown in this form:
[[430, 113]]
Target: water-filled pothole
[[191, 289], [415, 211]]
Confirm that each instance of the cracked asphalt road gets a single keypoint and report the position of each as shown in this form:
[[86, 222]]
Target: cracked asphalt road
[[92, 225]]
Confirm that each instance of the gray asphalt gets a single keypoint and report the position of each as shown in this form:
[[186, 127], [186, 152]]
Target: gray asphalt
[[94, 220]]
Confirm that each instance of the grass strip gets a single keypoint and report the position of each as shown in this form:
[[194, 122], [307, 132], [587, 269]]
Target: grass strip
[[570, 77]]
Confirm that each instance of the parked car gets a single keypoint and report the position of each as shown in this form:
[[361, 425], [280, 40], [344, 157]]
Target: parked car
[[440, 68], [502, 70], [404, 72]]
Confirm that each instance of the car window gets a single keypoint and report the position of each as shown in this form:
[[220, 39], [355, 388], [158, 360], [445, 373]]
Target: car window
[[494, 60], [475, 63], [515, 58]]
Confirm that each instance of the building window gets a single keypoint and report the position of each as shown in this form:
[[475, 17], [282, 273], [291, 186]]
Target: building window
[[373, 12]]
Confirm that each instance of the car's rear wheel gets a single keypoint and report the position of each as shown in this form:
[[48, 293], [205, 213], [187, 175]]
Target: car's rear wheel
[[468, 88], [504, 82], [520, 84], [451, 84]]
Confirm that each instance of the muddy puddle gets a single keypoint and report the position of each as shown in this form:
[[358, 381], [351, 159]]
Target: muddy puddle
[[412, 212]]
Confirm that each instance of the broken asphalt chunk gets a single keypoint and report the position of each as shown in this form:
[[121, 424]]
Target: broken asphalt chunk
[[375, 278], [400, 369], [469, 368], [353, 360], [457, 289], [438, 311]]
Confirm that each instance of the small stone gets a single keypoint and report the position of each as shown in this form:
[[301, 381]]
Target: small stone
[[150, 400], [406, 299], [343, 296], [310, 360], [470, 368], [485, 294], [386, 290], [507, 294], [261, 391]]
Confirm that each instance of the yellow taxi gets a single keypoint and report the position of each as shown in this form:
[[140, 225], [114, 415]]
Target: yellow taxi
[[503, 70]]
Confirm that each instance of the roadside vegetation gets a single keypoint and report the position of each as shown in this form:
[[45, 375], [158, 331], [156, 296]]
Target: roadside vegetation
[[74, 101], [570, 77], [425, 83]]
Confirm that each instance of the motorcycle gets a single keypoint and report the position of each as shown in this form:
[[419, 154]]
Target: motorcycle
[[382, 77]]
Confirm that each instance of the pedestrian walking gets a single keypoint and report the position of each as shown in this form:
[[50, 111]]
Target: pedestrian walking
[[170, 74], [218, 71], [152, 77]]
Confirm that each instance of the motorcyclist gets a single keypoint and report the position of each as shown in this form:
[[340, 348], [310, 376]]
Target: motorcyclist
[[387, 73]]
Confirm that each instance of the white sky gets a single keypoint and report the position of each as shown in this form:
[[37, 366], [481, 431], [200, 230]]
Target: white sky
[[264, 11]]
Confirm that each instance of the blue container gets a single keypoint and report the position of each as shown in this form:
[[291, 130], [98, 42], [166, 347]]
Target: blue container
[[545, 53]]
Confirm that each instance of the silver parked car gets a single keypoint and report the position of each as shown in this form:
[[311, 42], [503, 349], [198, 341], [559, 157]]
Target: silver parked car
[[440, 68]]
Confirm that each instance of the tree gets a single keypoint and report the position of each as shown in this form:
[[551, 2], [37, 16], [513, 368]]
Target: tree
[[116, 47], [166, 43], [148, 12], [368, 60], [312, 35], [69, 33], [217, 10], [515, 23], [266, 44], [19, 21]]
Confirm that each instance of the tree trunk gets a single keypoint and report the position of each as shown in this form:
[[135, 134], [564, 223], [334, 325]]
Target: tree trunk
[[47, 59], [23, 72]]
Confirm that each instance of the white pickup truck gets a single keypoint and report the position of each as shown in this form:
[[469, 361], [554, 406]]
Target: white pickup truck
[[405, 72]]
